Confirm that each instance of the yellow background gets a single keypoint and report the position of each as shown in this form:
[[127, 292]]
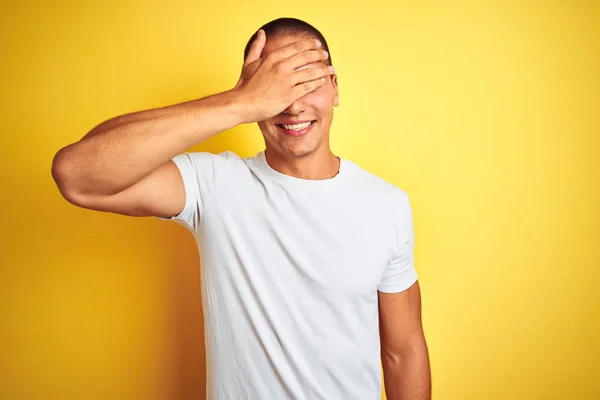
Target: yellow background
[[486, 113]]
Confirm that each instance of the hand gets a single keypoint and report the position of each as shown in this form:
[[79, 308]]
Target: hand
[[268, 85]]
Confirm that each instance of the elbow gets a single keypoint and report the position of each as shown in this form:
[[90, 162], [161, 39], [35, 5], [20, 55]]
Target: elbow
[[61, 171], [394, 357], [401, 353]]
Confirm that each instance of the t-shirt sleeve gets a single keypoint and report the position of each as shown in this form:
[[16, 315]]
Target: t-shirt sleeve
[[200, 172], [400, 273]]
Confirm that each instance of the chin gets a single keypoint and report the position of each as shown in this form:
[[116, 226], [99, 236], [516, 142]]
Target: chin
[[291, 147], [298, 153], [297, 150]]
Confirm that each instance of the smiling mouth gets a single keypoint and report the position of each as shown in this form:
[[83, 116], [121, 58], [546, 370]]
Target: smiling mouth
[[296, 130], [296, 127]]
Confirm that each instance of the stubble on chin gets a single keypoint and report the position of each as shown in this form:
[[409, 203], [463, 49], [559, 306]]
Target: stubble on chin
[[298, 150]]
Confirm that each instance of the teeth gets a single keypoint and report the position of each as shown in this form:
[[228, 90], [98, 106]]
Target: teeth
[[297, 127]]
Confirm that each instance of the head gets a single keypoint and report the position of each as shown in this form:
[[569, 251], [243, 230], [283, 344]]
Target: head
[[316, 106]]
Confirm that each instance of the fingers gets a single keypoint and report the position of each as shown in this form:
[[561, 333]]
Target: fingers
[[311, 74], [307, 87], [306, 57], [256, 47], [293, 48]]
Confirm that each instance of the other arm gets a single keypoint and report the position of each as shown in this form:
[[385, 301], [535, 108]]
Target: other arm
[[404, 353]]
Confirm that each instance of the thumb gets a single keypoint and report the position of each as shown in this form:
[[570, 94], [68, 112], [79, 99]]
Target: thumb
[[256, 48]]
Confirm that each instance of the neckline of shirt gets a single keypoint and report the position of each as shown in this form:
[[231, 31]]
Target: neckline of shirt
[[292, 180]]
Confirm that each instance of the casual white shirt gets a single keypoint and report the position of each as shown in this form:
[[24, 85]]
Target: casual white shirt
[[290, 270]]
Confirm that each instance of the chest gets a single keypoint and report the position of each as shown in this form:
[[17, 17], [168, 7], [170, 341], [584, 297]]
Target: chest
[[338, 243]]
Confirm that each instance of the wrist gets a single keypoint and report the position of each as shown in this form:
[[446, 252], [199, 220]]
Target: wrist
[[239, 105]]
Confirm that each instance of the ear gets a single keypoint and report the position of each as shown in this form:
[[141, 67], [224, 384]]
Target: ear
[[336, 94]]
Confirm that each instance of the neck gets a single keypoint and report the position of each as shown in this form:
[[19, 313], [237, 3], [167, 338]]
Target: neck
[[315, 166]]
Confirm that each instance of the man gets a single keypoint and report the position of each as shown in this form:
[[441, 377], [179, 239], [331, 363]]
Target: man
[[307, 268]]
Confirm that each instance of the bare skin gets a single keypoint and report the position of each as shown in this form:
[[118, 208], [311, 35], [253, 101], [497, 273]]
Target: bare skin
[[310, 156], [404, 353], [124, 164]]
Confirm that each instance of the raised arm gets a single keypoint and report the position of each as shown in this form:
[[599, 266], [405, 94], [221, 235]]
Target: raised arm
[[124, 164]]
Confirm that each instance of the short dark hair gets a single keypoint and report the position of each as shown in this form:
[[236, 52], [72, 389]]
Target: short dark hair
[[289, 26]]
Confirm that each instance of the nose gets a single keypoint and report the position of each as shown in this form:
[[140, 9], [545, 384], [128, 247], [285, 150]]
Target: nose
[[296, 108]]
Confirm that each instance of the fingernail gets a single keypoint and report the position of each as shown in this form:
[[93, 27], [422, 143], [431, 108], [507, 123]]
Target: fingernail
[[318, 44], [326, 53], [331, 68]]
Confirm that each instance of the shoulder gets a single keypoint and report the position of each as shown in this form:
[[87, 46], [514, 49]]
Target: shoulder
[[201, 156], [217, 160], [386, 192]]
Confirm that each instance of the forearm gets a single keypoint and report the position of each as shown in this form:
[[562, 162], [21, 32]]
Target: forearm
[[121, 151], [407, 375]]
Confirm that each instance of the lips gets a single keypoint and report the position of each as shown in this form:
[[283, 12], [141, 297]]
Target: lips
[[289, 123], [288, 127]]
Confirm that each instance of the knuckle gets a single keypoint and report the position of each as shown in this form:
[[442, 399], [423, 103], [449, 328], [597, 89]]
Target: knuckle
[[310, 72], [277, 68], [297, 46], [307, 86], [270, 59]]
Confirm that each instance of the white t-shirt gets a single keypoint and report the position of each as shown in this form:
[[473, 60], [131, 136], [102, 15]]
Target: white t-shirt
[[290, 270]]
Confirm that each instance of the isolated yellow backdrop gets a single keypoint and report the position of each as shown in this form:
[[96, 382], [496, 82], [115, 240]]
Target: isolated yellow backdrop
[[486, 113]]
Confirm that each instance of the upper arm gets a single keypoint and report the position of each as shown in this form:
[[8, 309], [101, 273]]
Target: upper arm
[[178, 190], [400, 325], [161, 193]]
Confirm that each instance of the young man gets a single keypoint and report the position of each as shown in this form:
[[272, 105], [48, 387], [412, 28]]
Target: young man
[[307, 267]]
